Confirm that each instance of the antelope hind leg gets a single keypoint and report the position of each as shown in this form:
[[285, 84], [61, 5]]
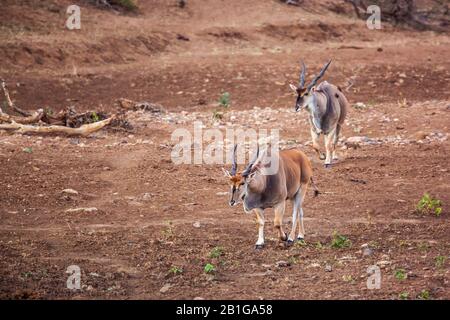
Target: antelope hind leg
[[301, 228], [329, 147]]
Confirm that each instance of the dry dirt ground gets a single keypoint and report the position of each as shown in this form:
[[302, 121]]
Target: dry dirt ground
[[157, 223]]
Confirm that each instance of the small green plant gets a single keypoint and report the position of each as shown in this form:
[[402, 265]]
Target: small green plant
[[301, 243], [168, 230], [216, 252], [126, 4], [403, 295], [319, 245], [400, 274], [428, 205], [339, 241], [175, 270], [348, 278], [224, 100], [217, 115], [95, 117], [209, 268], [440, 261], [48, 111], [28, 150], [423, 246], [424, 295], [292, 260]]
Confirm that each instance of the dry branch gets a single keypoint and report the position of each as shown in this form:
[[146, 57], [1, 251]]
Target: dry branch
[[34, 118], [9, 102], [67, 121], [84, 130]]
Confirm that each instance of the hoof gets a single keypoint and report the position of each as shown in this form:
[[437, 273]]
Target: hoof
[[327, 165], [285, 237], [322, 157], [300, 238], [289, 242], [259, 247]]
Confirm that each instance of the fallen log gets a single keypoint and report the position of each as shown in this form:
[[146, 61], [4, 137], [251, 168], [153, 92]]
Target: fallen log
[[84, 130]]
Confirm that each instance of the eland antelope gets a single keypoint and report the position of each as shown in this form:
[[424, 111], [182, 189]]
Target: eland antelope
[[260, 190], [327, 108]]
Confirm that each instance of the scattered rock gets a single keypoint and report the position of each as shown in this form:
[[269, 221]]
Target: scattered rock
[[199, 298], [196, 224], [383, 263], [328, 268], [222, 193], [165, 288], [359, 105], [70, 191], [367, 252], [420, 135], [358, 139], [87, 210], [282, 264]]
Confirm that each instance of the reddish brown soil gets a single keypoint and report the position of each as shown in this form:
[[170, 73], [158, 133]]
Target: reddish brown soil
[[147, 206]]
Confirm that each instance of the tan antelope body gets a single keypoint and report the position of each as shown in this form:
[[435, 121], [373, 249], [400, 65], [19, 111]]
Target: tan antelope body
[[327, 107], [259, 191]]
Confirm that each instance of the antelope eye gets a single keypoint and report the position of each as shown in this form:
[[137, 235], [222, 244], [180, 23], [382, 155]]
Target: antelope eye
[[306, 93]]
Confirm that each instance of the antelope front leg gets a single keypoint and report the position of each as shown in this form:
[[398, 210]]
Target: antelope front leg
[[315, 143], [278, 220], [260, 223]]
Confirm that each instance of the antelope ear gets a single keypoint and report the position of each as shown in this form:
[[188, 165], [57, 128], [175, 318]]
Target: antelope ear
[[294, 88], [226, 173], [313, 89]]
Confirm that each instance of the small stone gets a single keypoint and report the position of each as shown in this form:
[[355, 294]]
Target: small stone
[[328, 268], [222, 193], [146, 196], [357, 139], [165, 288], [196, 224], [70, 191], [88, 210], [367, 252], [282, 264], [199, 298], [383, 263]]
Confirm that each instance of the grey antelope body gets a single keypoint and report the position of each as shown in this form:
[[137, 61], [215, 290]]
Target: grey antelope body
[[327, 108], [259, 191]]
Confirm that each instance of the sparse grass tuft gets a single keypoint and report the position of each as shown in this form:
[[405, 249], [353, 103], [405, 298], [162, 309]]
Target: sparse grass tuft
[[224, 100], [216, 252], [168, 230], [27, 150], [424, 295], [209, 268], [403, 295], [95, 117], [440, 261], [175, 270], [339, 241], [400, 274], [428, 205], [126, 4]]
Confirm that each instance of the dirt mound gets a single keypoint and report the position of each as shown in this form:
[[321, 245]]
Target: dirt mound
[[83, 53], [318, 32]]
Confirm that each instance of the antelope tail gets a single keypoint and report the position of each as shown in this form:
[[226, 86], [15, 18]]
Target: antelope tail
[[316, 190]]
